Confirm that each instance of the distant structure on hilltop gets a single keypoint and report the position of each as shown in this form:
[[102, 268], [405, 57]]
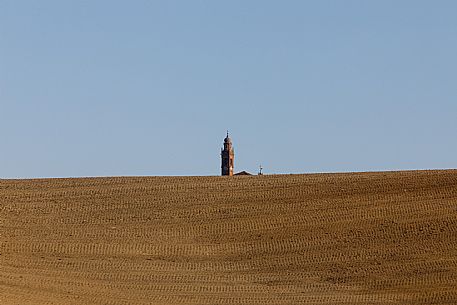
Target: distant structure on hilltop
[[228, 157]]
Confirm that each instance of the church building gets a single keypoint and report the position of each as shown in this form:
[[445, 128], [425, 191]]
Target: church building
[[228, 157]]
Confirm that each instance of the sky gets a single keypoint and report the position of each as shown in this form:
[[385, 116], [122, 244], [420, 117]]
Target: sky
[[134, 88]]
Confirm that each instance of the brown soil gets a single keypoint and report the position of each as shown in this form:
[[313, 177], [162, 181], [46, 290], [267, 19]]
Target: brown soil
[[368, 238]]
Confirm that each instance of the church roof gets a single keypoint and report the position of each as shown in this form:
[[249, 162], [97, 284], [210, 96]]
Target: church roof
[[243, 173]]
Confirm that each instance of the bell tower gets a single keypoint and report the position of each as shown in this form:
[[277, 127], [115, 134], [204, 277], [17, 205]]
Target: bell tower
[[228, 157]]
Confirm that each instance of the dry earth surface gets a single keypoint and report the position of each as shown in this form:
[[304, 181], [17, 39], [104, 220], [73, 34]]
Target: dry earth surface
[[364, 238]]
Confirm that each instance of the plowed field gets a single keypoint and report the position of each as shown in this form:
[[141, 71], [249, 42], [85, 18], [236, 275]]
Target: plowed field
[[364, 238]]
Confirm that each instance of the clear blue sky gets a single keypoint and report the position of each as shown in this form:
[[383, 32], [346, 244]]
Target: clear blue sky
[[105, 88]]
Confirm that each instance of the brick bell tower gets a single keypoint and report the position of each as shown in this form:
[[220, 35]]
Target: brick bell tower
[[228, 157]]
